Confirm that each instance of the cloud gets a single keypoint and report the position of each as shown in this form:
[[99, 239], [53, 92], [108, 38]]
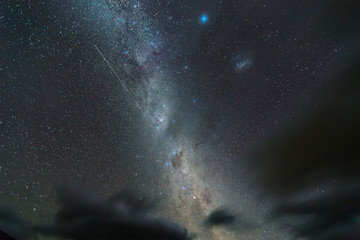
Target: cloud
[[11, 225], [333, 215], [220, 217], [319, 145], [223, 217], [5, 236], [85, 216]]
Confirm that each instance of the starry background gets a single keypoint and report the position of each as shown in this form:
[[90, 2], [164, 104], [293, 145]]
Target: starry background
[[159, 96]]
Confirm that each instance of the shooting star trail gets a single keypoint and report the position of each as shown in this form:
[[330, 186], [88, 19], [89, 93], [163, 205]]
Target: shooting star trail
[[118, 77]]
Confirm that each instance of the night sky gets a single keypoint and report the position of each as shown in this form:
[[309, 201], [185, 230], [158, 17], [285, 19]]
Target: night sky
[[169, 99]]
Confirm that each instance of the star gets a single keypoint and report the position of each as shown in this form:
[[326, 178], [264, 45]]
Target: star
[[204, 18]]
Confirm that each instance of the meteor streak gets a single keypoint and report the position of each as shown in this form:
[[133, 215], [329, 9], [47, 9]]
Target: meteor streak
[[118, 77]]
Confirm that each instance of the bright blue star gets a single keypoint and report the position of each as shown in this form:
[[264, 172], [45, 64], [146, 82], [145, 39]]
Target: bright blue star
[[204, 18]]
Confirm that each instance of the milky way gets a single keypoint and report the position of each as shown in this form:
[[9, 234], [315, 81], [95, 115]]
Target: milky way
[[173, 151], [163, 97]]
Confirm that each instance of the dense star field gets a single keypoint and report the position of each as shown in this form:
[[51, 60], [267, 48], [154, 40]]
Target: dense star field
[[219, 113]]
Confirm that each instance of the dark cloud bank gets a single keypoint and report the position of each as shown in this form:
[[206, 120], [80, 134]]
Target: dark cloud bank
[[83, 215], [11, 225], [320, 148]]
